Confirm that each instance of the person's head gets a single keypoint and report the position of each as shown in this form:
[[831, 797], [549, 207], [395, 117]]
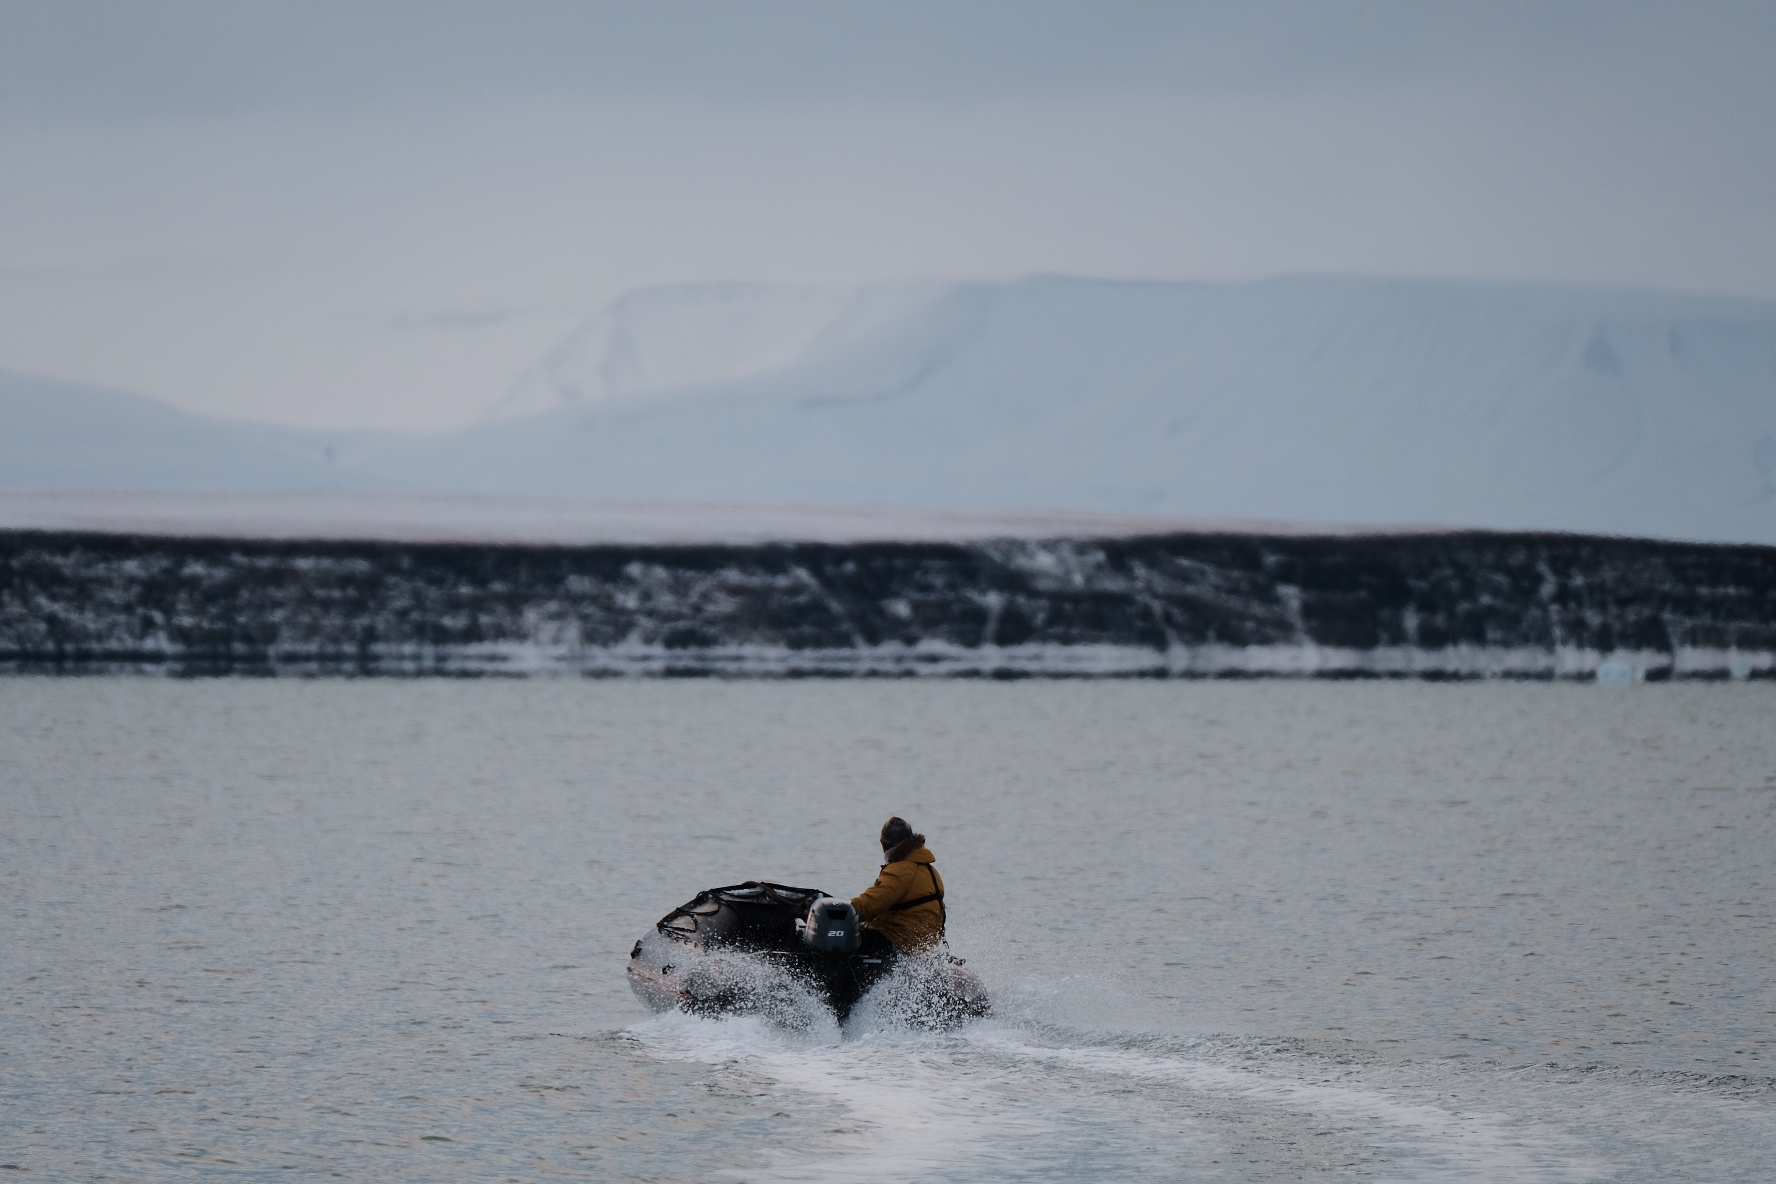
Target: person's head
[[897, 835], [895, 832]]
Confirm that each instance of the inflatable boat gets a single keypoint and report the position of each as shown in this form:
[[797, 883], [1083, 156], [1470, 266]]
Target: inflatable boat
[[770, 949]]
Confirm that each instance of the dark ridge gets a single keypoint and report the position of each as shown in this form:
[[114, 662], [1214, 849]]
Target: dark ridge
[[1460, 605]]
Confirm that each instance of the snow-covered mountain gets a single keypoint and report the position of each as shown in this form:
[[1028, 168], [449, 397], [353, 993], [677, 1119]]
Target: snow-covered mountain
[[69, 435], [660, 338], [1300, 399]]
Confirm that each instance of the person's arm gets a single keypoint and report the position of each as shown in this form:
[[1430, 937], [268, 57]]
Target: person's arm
[[889, 890]]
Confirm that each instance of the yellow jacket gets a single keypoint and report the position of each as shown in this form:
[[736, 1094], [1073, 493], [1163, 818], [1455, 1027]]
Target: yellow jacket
[[911, 878]]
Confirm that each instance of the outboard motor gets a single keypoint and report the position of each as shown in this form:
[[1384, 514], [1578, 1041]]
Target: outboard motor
[[832, 927]]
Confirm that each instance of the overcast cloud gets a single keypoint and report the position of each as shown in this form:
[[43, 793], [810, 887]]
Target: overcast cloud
[[369, 213]]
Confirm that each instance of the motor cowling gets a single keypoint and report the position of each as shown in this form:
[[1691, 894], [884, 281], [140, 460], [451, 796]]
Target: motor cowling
[[832, 927]]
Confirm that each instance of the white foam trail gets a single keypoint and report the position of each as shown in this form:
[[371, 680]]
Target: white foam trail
[[876, 1108], [987, 1104], [1426, 1142], [990, 1102]]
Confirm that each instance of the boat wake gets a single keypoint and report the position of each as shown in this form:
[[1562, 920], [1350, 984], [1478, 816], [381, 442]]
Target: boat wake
[[1024, 1096]]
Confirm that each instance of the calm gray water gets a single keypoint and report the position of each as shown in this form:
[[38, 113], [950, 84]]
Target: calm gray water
[[1239, 932]]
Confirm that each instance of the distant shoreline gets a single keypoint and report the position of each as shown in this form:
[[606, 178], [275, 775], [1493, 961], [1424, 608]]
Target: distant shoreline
[[578, 522]]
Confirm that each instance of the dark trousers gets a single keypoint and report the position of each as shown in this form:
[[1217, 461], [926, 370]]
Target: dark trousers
[[876, 946]]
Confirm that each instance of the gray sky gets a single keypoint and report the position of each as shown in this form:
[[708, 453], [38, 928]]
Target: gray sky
[[351, 212]]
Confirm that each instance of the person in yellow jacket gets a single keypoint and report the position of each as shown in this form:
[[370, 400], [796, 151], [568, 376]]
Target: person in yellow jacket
[[904, 908]]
